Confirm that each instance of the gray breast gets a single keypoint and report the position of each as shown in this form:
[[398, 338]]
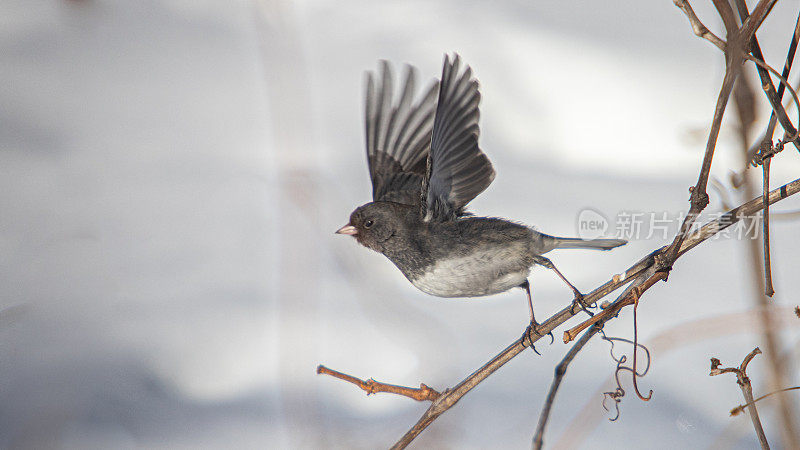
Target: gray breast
[[481, 272]]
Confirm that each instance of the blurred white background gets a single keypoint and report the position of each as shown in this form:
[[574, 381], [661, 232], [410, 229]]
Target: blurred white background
[[171, 174]]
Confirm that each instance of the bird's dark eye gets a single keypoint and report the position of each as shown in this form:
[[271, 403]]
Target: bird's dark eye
[[369, 223]]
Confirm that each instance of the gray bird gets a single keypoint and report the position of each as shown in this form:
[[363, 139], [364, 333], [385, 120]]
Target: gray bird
[[425, 166]]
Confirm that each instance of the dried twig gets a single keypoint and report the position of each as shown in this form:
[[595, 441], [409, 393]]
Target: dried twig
[[633, 290], [635, 358], [760, 12], [734, 56], [775, 100], [740, 409], [791, 134], [769, 290], [697, 26], [698, 197], [423, 393], [631, 298], [747, 390], [778, 112], [770, 338], [558, 376], [618, 393]]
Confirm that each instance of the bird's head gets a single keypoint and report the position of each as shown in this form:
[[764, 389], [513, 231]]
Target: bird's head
[[375, 223]]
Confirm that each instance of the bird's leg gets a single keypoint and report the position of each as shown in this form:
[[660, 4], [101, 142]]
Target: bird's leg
[[542, 261], [534, 325]]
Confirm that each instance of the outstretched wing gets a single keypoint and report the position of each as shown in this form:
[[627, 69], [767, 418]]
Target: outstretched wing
[[398, 137], [457, 168]]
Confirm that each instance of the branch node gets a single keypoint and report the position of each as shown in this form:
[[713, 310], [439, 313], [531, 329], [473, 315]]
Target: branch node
[[747, 391], [766, 151], [698, 198]]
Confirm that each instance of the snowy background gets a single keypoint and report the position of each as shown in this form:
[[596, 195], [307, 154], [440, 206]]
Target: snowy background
[[171, 174]]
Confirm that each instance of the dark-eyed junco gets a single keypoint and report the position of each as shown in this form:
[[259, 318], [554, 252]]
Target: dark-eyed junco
[[425, 166]]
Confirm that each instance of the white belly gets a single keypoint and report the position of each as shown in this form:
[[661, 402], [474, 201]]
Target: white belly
[[471, 276]]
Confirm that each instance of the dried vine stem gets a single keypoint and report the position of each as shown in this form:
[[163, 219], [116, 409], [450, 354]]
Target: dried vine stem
[[733, 53], [699, 29], [778, 111], [558, 376], [769, 289], [740, 409], [765, 150], [597, 325], [632, 291], [670, 341], [618, 392], [747, 390], [612, 310], [371, 386], [734, 56], [450, 397], [761, 152]]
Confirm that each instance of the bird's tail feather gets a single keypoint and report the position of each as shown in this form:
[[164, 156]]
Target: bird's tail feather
[[596, 244]]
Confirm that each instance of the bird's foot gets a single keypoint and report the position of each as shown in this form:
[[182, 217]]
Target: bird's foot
[[579, 302], [533, 330]]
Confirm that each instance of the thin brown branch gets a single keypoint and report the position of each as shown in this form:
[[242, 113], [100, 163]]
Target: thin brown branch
[[726, 13], [699, 29], [612, 310], [770, 339], [423, 393], [450, 397], [760, 12], [635, 358], [735, 215], [769, 290], [791, 133], [747, 390], [558, 376], [764, 156], [740, 409], [698, 197], [778, 111], [744, 98], [734, 55]]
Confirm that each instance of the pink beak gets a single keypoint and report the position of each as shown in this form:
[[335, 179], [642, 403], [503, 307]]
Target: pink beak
[[347, 229]]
